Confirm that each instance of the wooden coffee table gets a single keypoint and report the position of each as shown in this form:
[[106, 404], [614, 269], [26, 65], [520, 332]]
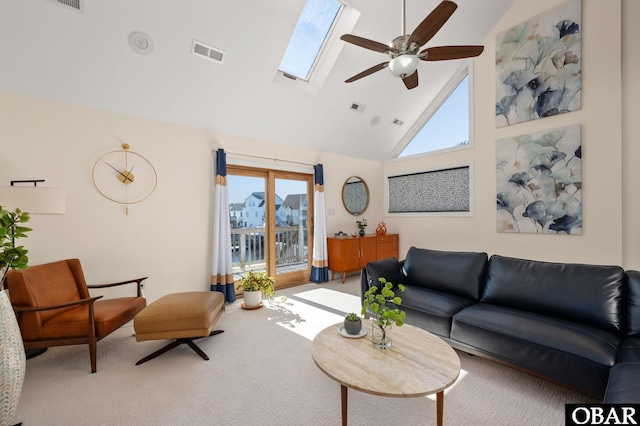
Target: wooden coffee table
[[417, 364]]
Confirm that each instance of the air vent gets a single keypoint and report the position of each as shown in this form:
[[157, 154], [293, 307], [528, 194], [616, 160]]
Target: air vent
[[357, 107], [211, 53], [398, 122], [77, 5]]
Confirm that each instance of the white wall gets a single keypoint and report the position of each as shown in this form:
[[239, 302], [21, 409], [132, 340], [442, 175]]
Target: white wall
[[167, 236], [630, 132], [601, 117]]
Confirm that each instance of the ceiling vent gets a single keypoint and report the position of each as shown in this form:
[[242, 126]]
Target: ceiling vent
[[357, 107], [77, 5], [211, 53]]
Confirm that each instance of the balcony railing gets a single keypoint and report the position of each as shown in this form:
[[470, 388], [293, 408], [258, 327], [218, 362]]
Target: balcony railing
[[248, 250]]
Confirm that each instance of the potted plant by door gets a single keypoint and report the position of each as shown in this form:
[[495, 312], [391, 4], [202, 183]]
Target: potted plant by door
[[12, 356], [384, 316], [253, 286]]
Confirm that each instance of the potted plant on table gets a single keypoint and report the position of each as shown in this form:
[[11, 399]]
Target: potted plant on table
[[253, 286], [352, 324], [384, 316], [12, 356]]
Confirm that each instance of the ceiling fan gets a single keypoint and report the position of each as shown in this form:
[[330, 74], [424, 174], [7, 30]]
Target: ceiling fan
[[404, 50]]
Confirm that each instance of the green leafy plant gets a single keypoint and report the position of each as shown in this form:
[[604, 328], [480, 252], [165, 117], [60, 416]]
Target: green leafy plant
[[362, 224], [377, 302], [352, 317], [258, 281], [12, 257]]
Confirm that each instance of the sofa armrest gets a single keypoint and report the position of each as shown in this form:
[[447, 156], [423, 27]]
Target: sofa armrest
[[389, 269], [138, 281]]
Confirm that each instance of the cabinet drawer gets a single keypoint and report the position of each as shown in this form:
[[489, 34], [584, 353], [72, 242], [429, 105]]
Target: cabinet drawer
[[386, 255], [390, 246], [387, 238]]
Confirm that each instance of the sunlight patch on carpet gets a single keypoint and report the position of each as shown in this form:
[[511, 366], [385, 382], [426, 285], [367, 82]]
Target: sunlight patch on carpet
[[334, 300], [302, 318]]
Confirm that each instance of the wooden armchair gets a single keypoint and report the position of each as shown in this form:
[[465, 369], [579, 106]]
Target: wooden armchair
[[54, 307]]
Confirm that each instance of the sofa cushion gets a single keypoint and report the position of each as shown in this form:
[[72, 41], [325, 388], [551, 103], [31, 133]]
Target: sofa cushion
[[633, 303], [430, 309], [629, 350], [572, 353], [623, 386], [460, 273], [587, 294]]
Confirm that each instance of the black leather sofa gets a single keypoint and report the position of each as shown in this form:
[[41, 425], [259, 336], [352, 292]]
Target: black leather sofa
[[576, 325]]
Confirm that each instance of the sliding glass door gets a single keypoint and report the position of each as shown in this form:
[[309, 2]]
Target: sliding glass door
[[270, 213]]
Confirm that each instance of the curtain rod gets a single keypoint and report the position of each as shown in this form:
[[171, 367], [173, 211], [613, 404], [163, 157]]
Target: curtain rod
[[272, 159]]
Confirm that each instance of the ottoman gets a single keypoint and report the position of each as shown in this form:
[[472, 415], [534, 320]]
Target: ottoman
[[180, 316]]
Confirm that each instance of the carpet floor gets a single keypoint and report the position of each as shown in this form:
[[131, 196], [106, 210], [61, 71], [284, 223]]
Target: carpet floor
[[261, 372]]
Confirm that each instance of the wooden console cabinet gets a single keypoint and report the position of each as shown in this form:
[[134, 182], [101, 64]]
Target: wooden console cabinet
[[353, 254]]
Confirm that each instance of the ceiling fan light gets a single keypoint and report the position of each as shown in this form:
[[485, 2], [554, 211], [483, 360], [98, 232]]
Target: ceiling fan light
[[403, 65]]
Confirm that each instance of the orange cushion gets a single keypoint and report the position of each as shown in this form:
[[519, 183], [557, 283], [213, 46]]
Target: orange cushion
[[110, 314]]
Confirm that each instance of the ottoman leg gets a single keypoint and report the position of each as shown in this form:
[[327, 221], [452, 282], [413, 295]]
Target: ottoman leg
[[188, 341]]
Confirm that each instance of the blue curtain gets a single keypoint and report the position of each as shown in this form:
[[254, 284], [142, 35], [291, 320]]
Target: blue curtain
[[221, 273], [320, 260]]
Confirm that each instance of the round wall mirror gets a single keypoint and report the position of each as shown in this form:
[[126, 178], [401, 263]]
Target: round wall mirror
[[355, 195]]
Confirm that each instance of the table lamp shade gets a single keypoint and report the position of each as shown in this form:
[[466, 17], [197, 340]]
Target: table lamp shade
[[33, 199]]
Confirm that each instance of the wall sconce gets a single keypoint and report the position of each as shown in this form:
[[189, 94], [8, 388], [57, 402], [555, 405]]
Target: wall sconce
[[33, 199]]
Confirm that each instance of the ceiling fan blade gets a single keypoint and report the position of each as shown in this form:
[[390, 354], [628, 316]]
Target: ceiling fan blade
[[432, 23], [366, 43], [443, 53], [367, 72], [411, 81]]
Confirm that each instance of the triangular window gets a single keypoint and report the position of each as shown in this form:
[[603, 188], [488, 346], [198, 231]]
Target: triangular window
[[447, 127]]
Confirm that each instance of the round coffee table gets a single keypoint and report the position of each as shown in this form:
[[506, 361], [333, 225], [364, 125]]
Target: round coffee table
[[417, 364]]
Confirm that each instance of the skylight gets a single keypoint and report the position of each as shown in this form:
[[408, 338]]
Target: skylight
[[448, 127], [309, 36]]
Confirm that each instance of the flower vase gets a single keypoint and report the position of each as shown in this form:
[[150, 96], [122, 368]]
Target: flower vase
[[361, 232], [12, 361], [381, 336]]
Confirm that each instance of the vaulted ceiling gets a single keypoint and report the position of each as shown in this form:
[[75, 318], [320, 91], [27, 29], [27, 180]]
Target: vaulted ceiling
[[52, 52]]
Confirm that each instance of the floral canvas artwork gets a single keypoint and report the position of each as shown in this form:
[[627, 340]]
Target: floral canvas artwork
[[539, 182], [539, 66]]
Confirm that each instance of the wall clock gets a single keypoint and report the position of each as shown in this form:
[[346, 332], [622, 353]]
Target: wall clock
[[124, 177]]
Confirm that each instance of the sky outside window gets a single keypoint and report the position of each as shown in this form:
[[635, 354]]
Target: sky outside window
[[448, 127], [311, 31]]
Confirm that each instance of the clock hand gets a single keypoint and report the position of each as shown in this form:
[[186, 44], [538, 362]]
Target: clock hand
[[125, 177], [129, 174]]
